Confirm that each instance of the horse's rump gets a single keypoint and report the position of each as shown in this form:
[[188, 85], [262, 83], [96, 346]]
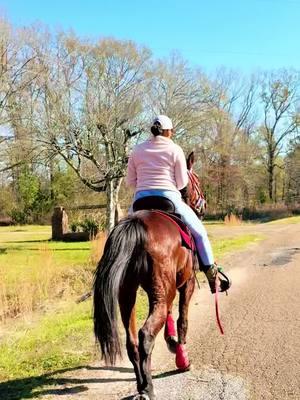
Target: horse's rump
[[145, 250], [142, 250], [124, 255]]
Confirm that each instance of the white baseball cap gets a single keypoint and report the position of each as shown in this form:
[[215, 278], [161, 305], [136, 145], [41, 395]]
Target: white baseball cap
[[165, 122]]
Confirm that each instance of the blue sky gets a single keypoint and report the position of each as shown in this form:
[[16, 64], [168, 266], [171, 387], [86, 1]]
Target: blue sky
[[245, 34]]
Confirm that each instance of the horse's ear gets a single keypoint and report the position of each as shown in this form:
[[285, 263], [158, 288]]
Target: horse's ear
[[190, 160]]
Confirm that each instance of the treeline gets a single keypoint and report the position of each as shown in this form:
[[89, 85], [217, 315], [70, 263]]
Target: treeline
[[72, 108]]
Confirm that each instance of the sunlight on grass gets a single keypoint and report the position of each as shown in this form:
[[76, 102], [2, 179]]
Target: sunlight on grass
[[60, 340], [24, 233], [37, 276], [213, 222], [289, 220], [223, 246], [34, 270]]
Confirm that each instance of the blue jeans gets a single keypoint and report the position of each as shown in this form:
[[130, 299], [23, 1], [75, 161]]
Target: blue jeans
[[189, 217]]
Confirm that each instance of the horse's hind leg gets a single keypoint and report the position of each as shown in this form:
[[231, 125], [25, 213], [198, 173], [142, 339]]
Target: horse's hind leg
[[185, 294], [147, 336], [127, 309], [170, 332]]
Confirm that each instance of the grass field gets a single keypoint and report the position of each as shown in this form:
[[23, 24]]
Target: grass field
[[289, 220], [43, 329], [34, 270]]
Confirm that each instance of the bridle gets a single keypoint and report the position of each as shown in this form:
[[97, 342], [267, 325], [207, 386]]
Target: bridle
[[196, 198]]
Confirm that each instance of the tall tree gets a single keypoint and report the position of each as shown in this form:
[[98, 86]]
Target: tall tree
[[18, 71], [280, 102], [292, 171], [92, 107], [226, 145], [181, 92]]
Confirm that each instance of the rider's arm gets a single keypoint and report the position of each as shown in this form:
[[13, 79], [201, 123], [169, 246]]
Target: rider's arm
[[181, 175], [131, 173]]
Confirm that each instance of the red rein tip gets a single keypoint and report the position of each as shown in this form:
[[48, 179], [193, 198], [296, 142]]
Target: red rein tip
[[219, 323]]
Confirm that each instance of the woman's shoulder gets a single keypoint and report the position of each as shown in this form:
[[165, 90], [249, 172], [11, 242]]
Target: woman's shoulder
[[140, 146], [177, 148]]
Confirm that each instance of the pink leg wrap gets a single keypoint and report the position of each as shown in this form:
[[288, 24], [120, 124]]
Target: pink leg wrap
[[170, 327], [182, 360]]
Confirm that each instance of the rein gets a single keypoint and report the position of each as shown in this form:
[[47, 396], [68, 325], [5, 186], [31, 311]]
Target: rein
[[219, 323], [196, 194]]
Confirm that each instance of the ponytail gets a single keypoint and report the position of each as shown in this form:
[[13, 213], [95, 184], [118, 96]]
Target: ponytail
[[156, 129]]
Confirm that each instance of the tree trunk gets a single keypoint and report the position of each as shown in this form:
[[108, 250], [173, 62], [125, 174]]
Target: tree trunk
[[51, 173], [271, 175], [112, 196], [283, 189], [270, 184], [275, 189], [118, 211]]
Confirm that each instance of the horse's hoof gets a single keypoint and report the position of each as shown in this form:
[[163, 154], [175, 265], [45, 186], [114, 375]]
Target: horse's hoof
[[142, 396], [172, 344], [184, 369]]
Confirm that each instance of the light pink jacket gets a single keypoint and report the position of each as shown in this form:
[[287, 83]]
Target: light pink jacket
[[157, 163]]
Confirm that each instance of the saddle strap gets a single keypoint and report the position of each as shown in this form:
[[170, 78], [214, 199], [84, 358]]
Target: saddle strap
[[188, 238]]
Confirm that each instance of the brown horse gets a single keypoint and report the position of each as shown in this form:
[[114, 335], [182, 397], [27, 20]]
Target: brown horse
[[144, 249]]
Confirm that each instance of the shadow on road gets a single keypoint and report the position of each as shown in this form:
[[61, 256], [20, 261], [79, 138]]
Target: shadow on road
[[158, 376], [48, 384]]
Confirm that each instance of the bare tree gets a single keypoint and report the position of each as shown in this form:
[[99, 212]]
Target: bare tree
[[236, 95], [17, 65], [87, 103], [181, 92], [280, 101], [224, 138], [18, 72], [92, 107], [292, 172]]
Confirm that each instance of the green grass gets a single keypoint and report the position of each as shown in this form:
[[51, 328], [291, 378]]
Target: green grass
[[223, 246], [39, 281], [35, 239], [288, 220], [62, 337], [28, 258], [59, 340], [34, 270], [213, 222]]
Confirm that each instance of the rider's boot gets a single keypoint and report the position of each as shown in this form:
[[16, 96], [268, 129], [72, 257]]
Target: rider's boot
[[217, 278]]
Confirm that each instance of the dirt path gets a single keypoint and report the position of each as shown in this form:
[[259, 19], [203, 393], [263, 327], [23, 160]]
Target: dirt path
[[257, 358]]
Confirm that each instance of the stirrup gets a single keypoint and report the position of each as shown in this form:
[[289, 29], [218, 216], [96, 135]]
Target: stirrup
[[224, 281]]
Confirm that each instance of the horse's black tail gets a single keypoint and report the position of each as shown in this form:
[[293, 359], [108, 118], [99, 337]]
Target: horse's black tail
[[124, 253]]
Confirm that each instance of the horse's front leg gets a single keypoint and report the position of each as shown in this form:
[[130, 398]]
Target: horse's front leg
[[185, 294]]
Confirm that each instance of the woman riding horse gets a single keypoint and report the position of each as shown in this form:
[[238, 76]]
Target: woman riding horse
[[146, 249], [157, 167]]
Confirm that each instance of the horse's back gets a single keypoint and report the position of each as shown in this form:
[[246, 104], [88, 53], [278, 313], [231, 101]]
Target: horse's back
[[169, 263]]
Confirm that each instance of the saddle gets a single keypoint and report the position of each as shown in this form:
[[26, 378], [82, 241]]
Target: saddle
[[166, 208]]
